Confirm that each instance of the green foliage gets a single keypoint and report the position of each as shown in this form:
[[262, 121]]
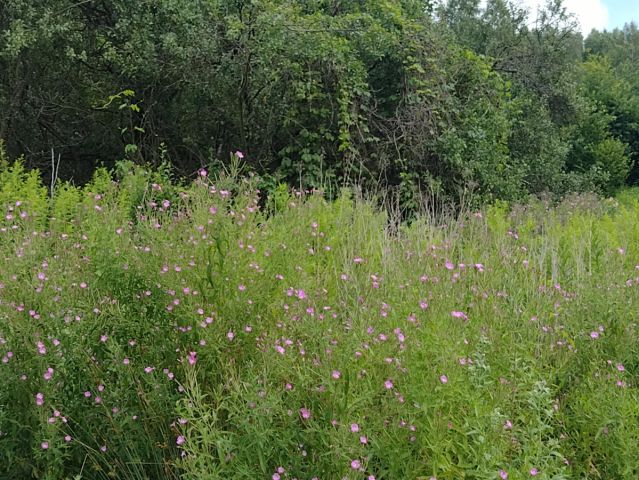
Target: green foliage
[[611, 157], [65, 206], [451, 98], [22, 194], [538, 148], [616, 95]]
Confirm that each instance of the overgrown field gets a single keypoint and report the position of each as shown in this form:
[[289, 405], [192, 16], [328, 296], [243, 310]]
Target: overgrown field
[[149, 330]]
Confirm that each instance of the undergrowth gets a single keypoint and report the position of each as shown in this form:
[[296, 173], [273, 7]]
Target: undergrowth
[[155, 330]]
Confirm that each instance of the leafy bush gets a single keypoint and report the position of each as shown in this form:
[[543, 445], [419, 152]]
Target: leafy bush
[[412, 95]]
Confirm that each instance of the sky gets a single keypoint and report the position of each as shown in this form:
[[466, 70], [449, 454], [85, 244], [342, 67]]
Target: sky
[[599, 14]]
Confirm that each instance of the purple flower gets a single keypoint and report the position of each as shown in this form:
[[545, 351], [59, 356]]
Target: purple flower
[[192, 358], [305, 413], [457, 314]]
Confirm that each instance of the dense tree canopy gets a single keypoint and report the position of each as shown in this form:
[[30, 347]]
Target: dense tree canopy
[[423, 95]]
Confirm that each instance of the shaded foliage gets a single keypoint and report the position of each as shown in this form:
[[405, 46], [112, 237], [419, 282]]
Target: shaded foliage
[[460, 97]]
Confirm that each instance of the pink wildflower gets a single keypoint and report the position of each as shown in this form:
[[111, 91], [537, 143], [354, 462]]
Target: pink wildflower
[[457, 314], [305, 413], [192, 358]]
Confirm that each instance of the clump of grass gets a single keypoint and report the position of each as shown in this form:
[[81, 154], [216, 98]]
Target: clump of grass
[[156, 330]]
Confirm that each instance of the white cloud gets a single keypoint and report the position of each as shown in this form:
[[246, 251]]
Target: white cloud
[[590, 13]]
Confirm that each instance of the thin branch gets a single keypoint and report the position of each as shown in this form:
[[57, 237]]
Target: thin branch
[[78, 4], [55, 169]]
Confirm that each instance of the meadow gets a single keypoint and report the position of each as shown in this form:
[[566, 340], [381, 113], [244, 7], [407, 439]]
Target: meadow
[[152, 329]]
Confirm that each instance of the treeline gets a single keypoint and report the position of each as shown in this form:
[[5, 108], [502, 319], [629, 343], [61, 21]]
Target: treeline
[[412, 94]]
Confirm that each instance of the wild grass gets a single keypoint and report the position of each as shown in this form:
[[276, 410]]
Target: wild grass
[[156, 330]]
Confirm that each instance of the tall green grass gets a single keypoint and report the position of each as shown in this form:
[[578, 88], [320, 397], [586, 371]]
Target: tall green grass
[[156, 330]]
